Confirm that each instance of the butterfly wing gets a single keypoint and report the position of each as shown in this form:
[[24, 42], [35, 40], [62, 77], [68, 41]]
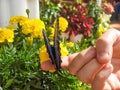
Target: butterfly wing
[[57, 47], [54, 52], [49, 48]]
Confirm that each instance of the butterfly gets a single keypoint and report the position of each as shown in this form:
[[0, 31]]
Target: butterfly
[[54, 51]]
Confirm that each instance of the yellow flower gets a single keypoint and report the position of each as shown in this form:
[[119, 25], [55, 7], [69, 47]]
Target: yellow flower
[[63, 24], [43, 54], [18, 19], [100, 31], [70, 44], [52, 31], [11, 27], [6, 34], [33, 27], [29, 41], [63, 50]]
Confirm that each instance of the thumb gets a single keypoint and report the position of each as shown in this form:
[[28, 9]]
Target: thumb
[[104, 45]]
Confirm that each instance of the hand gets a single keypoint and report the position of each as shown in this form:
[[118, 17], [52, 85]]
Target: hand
[[102, 73], [108, 51], [75, 62]]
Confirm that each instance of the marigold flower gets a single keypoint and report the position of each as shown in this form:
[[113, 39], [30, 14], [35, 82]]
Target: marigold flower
[[100, 31], [6, 34], [63, 24], [18, 19], [29, 41], [44, 56], [33, 27], [11, 27], [70, 44], [52, 31], [63, 50]]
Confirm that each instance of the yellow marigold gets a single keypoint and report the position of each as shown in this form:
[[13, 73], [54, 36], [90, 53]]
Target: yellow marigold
[[33, 27], [63, 50], [52, 30], [29, 41], [18, 19], [6, 34], [100, 31], [44, 56], [70, 44], [63, 24], [11, 27]]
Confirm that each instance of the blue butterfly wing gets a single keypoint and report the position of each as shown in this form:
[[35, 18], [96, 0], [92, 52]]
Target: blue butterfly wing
[[57, 47], [49, 47], [54, 52]]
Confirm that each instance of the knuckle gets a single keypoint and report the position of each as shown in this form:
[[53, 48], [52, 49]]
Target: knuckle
[[71, 71], [100, 41]]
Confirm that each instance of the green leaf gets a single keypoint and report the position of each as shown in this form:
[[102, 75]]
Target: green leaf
[[9, 83]]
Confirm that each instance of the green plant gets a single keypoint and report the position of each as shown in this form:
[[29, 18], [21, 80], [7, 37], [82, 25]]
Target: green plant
[[79, 22], [49, 11], [101, 19], [20, 61], [20, 67]]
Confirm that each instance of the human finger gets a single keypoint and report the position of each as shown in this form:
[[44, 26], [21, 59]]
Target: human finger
[[47, 65], [116, 52], [104, 45], [87, 72], [100, 80], [81, 59], [114, 82], [84, 56]]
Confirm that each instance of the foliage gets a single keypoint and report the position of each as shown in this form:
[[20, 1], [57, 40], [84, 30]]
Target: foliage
[[20, 70], [20, 62], [48, 12], [79, 22], [100, 18], [20, 59]]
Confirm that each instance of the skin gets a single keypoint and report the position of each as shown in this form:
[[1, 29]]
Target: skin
[[115, 25], [108, 8], [109, 53], [98, 65]]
